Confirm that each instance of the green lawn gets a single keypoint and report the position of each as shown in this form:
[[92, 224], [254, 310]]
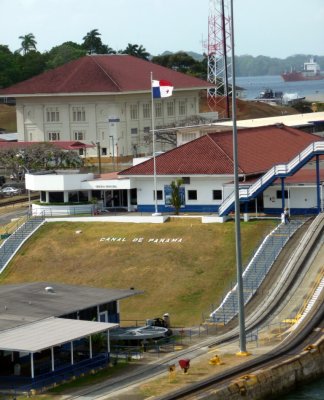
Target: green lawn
[[184, 277]]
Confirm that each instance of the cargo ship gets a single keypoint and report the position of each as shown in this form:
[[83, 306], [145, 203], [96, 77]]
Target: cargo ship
[[311, 72]]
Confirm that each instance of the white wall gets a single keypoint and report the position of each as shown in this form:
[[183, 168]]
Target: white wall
[[203, 185], [55, 182], [32, 124], [301, 196]]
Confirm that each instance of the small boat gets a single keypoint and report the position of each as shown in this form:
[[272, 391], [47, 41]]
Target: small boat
[[269, 96], [138, 333], [310, 72], [292, 98]]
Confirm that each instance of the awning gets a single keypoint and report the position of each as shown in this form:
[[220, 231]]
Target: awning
[[48, 333]]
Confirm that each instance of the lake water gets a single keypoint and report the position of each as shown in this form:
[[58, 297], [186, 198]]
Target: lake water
[[312, 391], [253, 85]]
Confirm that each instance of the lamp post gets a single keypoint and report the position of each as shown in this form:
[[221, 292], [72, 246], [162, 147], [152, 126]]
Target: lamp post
[[28, 190], [240, 294], [99, 157], [113, 150]]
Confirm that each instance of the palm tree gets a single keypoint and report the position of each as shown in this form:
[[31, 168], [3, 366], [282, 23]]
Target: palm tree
[[28, 43], [92, 41], [175, 200], [136, 51]]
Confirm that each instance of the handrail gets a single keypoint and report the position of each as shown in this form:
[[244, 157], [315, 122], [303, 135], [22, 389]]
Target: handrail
[[273, 173]]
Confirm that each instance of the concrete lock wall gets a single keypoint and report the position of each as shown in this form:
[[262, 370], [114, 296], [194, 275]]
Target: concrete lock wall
[[277, 379]]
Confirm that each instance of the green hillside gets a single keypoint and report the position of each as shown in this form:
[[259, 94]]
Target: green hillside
[[183, 277]]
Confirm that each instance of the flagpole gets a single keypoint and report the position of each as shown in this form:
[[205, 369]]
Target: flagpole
[[153, 148]]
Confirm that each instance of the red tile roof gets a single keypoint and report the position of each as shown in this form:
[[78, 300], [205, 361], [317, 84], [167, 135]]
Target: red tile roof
[[103, 73], [259, 149], [65, 145]]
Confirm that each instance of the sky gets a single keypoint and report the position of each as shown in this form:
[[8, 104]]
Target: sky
[[274, 28]]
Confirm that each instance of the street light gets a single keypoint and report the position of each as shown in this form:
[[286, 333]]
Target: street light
[[99, 157], [113, 151], [240, 294]]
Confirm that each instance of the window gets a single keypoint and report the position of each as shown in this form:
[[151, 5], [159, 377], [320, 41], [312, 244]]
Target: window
[[279, 194], [79, 135], [182, 107], [81, 152], [192, 194], [134, 131], [53, 136], [78, 114], [104, 151], [133, 111], [159, 195], [146, 129], [170, 108], [146, 110], [158, 110], [217, 195], [186, 180], [52, 114]]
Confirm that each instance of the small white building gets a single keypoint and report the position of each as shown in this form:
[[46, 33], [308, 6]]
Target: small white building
[[205, 167]]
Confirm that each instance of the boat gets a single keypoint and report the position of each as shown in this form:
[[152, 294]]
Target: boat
[[269, 96], [310, 72]]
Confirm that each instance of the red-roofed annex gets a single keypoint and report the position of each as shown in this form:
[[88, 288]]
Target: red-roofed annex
[[206, 167], [105, 99]]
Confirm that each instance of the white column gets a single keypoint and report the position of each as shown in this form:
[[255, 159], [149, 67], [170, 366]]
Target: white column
[[128, 200], [66, 197], [32, 365], [108, 341], [90, 346], [52, 357], [72, 359]]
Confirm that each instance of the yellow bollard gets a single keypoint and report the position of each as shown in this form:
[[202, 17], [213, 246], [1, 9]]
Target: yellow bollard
[[215, 360]]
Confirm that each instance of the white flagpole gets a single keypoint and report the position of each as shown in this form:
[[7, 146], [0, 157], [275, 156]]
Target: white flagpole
[[153, 146]]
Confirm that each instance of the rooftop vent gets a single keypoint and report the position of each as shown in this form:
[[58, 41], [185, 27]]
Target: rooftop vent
[[49, 289]]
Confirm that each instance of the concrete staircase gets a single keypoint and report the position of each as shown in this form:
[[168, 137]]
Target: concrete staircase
[[256, 270], [277, 171], [13, 243]]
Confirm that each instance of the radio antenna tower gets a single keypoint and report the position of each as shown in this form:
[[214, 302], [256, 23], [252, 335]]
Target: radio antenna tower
[[219, 56]]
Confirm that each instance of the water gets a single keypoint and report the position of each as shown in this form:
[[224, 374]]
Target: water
[[311, 391], [254, 85]]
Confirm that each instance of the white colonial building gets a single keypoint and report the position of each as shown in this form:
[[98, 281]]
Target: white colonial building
[[103, 99]]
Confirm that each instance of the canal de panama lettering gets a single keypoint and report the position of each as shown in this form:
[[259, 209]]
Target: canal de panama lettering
[[114, 239]]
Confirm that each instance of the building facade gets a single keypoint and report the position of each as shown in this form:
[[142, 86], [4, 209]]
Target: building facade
[[104, 99]]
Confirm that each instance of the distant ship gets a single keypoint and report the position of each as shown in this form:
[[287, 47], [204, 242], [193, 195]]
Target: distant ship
[[311, 72]]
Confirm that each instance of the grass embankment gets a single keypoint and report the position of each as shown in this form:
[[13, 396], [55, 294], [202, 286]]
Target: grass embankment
[[182, 278]]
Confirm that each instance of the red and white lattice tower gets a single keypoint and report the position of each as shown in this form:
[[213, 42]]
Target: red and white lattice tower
[[219, 57]]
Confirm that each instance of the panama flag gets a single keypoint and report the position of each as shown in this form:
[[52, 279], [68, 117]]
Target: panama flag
[[161, 89]]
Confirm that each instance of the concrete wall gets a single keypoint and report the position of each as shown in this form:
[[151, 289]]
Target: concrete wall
[[276, 380]]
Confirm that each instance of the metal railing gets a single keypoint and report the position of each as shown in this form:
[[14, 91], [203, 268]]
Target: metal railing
[[281, 170]]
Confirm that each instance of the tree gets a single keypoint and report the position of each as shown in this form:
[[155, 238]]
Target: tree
[[38, 156], [175, 200], [28, 43], [93, 44], [64, 53], [136, 51]]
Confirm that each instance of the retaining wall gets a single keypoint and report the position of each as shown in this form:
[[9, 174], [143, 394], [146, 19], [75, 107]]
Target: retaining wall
[[276, 380]]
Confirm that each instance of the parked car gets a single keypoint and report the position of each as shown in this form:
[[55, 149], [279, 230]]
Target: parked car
[[10, 191]]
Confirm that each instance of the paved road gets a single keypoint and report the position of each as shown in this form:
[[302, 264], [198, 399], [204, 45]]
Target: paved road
[[11, 212]]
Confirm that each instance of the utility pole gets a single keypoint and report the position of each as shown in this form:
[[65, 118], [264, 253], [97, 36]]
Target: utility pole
[[99, 157]]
